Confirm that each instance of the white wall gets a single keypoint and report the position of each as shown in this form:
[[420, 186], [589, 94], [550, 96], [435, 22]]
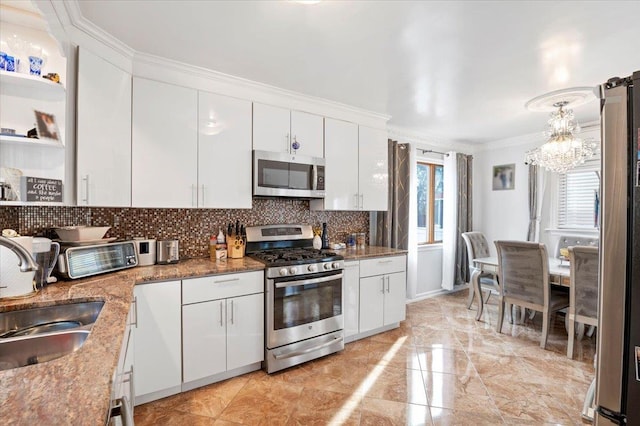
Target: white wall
[[502, 214], [429, 273]]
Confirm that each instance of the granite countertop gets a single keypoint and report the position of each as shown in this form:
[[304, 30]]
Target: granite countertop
[[369, 251], [75, 389]]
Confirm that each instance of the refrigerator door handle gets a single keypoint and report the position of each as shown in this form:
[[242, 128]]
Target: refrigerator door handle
[[613, 416]]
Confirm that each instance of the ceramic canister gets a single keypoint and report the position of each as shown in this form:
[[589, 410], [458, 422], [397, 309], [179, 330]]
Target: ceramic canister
[[13, 282]]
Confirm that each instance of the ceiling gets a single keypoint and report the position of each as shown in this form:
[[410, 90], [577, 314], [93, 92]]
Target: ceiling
[[457, 71]]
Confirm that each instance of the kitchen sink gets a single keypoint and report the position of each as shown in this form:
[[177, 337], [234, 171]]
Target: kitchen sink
[[34, 321], [35, 349]]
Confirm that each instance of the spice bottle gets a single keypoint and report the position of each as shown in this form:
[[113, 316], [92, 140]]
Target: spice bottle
[[325, 236]]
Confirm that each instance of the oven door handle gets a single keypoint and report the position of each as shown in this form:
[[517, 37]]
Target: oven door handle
[[309, 281], [306, 351]]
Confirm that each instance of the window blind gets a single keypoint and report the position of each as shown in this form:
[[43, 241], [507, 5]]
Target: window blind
[[577, 196]]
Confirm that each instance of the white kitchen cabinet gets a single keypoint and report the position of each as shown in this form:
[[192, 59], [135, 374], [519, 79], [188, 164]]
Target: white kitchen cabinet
[[164, 152], [223, 324], [356, 172], [373, 173], [157, 341], [351, 297], [276, 129], [224, 152], [382, 292], [103, 133]]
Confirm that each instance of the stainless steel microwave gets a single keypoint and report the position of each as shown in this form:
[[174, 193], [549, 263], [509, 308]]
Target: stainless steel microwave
[[278, 174]]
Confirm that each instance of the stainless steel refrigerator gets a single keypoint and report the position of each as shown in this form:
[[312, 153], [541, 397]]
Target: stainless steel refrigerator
[[617, 396]]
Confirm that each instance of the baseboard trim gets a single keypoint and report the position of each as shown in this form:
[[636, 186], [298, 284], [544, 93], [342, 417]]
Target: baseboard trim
[[438, 292]]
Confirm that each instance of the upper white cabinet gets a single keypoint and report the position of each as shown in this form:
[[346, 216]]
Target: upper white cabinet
[[103, 133], [281, 130], [356, 168], [164, 152], [224, 152], [373, 173]]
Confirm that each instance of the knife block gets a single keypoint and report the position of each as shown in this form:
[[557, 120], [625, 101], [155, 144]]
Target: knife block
[[235, 247]]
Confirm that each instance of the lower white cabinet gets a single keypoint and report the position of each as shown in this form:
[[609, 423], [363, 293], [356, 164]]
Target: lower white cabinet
[[223, 324], [157, 341], [382, 292]]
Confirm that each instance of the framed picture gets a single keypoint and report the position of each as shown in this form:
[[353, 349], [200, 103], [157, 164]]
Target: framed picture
[[504, 177], [46, 126]]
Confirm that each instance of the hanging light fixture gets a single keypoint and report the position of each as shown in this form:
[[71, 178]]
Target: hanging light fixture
[[563, 149]]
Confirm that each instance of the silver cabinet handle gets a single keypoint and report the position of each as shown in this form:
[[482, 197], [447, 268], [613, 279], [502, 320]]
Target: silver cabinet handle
[[226, 281], [134, 323], [385, 261], [287, 144], [221, 307], [382, 285], [85, 181], [232, 312], [361, 201], [387, 284]]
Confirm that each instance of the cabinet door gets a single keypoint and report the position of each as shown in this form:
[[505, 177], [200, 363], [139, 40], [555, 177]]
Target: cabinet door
[[351, 297], [395, 298], [308, 130], [372, 292], [271, 128], [341, 169], [103, 133], [204, 339], [157, 351], [224, 152], [373, 169], [164, 145], [245, 330]]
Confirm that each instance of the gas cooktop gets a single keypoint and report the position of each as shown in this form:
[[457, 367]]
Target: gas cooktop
[[294, 256]]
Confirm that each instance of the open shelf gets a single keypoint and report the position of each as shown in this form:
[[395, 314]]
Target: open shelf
[[30, 86], [23, 141]]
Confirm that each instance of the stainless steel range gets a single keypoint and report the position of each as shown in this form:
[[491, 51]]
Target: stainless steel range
[[303, 295]]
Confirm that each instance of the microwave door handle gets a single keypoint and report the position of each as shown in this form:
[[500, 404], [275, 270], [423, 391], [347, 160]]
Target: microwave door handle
[[314, 177]]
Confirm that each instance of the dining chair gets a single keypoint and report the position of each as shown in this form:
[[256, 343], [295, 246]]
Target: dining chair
[[477, 246], [583, 291], [523, 273]]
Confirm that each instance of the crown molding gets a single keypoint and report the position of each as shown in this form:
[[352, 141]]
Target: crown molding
[[426, 141], [143, 62]]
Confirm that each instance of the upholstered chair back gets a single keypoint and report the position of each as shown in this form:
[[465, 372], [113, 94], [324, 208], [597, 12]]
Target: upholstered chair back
[[584, 280], [477, 246], [523, 271]]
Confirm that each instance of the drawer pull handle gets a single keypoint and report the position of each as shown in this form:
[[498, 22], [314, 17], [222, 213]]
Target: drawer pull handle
[[385, 261], [226, 281]]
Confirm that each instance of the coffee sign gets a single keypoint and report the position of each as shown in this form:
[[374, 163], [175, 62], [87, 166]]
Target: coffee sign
[[41, 189]]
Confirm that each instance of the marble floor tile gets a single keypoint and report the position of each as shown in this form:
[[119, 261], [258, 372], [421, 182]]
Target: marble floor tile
[[440, 367]]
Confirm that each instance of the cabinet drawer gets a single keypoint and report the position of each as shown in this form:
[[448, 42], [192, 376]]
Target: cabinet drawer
[[382, 265], [221, 286]]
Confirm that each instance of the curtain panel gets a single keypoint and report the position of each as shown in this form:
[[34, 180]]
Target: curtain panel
[[392, 226], [534, 219]]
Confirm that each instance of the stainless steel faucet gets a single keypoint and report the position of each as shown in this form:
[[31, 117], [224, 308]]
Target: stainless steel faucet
[[26, 261]]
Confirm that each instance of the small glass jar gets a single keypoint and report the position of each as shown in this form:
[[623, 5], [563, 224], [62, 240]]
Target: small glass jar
[[361, 239], [351, 240]]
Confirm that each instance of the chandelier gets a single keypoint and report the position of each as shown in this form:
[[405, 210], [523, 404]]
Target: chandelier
[[563, 149]]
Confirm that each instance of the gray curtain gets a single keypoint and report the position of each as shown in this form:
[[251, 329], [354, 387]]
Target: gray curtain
[[533, 203], [464, 164], [392, 226]]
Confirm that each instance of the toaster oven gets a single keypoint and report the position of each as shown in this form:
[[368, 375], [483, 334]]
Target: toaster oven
[[84, 261]]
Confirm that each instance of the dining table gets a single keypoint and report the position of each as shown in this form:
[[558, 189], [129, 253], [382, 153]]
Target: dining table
[[558, 274]]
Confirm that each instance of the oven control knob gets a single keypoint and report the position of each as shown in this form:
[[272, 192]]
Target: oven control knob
[[293, 270], [336, 265], [312, 268], [327, 266], [283, 271]]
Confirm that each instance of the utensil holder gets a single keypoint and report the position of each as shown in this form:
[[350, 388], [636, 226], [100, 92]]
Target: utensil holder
[[235, 247]]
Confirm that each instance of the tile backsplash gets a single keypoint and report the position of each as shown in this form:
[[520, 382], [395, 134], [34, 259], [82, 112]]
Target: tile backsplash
[[192, 227]]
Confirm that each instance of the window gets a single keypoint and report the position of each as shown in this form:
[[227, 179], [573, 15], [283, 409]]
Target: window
[[578, 196], [429, 203]]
